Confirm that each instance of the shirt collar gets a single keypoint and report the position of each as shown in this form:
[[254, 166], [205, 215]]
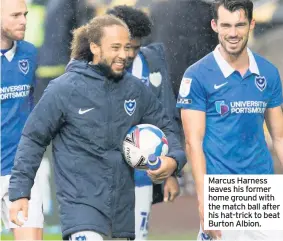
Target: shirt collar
[[11, 53], [226, 68]]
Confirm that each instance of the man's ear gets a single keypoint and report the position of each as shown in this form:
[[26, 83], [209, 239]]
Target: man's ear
[[214, 25], [252, 24], [94, 48]]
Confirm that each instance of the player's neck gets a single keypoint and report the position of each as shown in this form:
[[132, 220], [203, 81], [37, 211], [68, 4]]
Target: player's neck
[[238, 62], [6, 43]]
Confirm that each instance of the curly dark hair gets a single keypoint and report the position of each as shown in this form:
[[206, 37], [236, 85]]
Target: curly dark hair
[[138, 22], [91, 32]]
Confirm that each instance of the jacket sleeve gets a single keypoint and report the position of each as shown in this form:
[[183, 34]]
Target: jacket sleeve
[[42, 125], [155, 114]]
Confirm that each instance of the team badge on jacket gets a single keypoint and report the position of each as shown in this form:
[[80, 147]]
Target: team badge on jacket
[[260, 82], [155, 78], [130, 106], [24, 66]]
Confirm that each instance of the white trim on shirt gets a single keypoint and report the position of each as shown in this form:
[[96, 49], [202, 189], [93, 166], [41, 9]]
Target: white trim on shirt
[[11, 52], [227, 69]]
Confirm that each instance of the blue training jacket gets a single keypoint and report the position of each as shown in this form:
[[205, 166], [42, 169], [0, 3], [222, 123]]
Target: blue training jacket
[[87, 117]]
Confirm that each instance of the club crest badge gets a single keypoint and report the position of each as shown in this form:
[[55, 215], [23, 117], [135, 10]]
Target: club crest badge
[[130, 106], [80, 238], [260, 82], [205, 236], [24, 66]]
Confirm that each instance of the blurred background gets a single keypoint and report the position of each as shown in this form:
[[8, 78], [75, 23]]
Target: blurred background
[[184, 27]]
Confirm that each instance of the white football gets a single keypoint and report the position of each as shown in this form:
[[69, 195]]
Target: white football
[[140, 142]]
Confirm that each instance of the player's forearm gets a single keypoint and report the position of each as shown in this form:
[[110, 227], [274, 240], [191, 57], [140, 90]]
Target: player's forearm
[[278, 147], [196, 156]]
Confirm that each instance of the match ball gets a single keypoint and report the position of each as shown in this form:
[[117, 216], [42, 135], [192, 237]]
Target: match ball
[[140, 142]]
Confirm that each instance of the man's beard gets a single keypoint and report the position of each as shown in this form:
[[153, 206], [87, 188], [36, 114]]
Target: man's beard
[[109, 73], [238, 53], [9, 35]]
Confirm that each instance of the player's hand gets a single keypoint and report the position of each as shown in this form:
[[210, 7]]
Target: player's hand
[[171, 189], [17, 206], [168, 166], [215, 234]]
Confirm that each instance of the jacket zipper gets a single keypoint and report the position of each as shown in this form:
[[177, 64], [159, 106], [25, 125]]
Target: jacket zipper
[[109, 136], [110, 145]]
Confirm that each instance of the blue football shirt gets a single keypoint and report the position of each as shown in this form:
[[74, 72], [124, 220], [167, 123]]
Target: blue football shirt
[[234, 141], [17, 82], [140, 69]]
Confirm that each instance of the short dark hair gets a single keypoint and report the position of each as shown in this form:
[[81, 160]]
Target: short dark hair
[[91, 32], [138, 22], [232, 6]]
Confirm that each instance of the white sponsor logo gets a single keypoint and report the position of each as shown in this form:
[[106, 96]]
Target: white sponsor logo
[[249, 107], [219, 86], [81, 112], [14, 91], [184, 101]]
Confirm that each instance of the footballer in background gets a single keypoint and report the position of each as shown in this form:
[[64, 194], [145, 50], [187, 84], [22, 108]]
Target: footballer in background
[[18, 65], [35, 35]]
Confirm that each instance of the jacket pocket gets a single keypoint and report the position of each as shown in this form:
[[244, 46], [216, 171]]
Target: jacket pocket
[[93, 181], [66, 177]]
